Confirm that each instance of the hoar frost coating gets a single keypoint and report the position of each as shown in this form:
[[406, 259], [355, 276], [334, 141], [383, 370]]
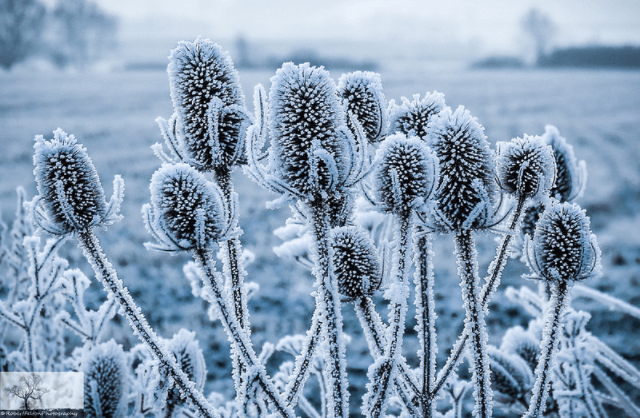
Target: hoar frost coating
[[364, 98], [206, 95], [563, 248], [355, 261], [467, 191], [186, 207], [406, 172], [106, 380], [68, 183], [525, 167], [412, 117], [306, 119], [186, 349]]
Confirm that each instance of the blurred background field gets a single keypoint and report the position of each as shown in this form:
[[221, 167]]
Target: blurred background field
[[111, 105]]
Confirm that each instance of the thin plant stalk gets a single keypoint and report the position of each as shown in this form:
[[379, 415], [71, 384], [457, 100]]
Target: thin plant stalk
[[105, 273]]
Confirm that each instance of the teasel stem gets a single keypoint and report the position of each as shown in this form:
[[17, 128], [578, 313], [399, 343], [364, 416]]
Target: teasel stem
[[304, 361], [491, 285], [426, 317], [241, 343], [327, 298], [474, 321], [397, 313], [373, 326], [107, 275], [548, 346], [232, 249]]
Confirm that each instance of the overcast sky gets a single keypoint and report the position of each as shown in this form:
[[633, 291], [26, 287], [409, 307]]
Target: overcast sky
[[493, 25]]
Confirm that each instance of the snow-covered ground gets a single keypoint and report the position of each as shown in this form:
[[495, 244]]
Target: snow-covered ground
[[113, 115]]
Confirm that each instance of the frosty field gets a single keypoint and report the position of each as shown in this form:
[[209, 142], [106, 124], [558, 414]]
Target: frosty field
[[113, 115]]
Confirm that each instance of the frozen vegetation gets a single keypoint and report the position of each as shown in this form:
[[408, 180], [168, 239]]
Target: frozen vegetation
[[392, 219]]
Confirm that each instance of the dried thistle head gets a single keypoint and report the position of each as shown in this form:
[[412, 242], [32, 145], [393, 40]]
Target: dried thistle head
[[467, 191], [187, 211], [363, 94], [306, 119], [406, 173], [571, 174], [209, 104], [412, 117], [70, 191], [355, 261], [525, 167], [563, 247]]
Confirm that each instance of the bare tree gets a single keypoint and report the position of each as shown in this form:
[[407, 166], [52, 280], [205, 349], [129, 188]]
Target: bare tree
[[29, 390], [21, 23], [539, 26]]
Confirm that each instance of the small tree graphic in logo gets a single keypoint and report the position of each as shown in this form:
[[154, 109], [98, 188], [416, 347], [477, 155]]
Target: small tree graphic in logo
[[30, 390]]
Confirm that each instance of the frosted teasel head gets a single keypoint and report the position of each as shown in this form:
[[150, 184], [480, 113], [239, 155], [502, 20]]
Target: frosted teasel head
[[186, 211], [571, 175], [412, 117], [71, 198], [364, 99], [306, 125], [106, 380], [188, 354], [208, 129], [525, 167], [467, 192], [511, 376], [523, 343], [406, 173], [356, 263], [563, 248]]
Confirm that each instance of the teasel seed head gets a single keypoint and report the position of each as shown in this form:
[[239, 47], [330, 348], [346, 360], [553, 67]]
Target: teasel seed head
[[526, 167], [69, 187], [571, 174], [106, 380], [355, 261], [186, 349], [209, 104], [467, 192], [510, 374], [186, 209], [563, 247], [306, 122], [523, 343], [412, 117], [406, 173], [364, 98]]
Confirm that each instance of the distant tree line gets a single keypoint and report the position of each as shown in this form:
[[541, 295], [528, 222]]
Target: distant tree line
[[71, 33]]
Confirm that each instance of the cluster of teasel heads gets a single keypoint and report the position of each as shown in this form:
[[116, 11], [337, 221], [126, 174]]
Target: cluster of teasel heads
[[433, 171]]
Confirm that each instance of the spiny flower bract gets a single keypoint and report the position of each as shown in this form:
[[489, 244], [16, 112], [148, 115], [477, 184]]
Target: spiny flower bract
[[355, 261], [406, 172], [305, 119], [467, 191], [412, 117], [105, 381], [563, 248], [186, 207], [68, 183], [209, 102], [364, 98], [525, 167]]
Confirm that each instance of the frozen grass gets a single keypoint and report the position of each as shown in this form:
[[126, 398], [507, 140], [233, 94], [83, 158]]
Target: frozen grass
[[113, 116]]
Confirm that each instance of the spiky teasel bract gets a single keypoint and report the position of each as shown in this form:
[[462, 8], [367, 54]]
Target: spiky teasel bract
[[406, 173], [71, 197], [525, 167], [467, 192], [186, 211], [106, 380], [563, 248], [355, 263], [364, 98], [412, 117], [306, 122], [211, 120]]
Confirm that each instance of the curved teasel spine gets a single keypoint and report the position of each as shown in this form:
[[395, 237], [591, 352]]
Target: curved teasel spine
[[64, 213], [562, 252]]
